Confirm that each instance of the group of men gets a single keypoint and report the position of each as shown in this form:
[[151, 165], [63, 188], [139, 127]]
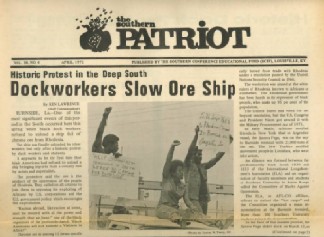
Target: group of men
[[195, 189]]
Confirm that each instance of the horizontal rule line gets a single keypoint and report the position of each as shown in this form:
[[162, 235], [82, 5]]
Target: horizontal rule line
[[80, 58], [142, 66]]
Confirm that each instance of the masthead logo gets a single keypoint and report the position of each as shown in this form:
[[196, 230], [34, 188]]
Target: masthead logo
[[133, 34], [95, 38]]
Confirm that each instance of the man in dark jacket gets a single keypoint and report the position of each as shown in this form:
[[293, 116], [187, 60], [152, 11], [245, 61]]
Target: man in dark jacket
[[196, 174]]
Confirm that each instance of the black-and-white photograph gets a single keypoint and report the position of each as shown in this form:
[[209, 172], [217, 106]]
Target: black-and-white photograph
[[161, 165]]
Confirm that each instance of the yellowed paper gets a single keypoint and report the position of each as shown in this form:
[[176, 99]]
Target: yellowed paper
[[242, 78]]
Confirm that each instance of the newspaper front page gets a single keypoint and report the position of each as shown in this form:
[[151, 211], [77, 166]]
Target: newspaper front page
[[161, 118]]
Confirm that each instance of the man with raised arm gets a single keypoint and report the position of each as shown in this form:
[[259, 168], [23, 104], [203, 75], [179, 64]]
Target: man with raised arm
[[196, 174], [108, 145]]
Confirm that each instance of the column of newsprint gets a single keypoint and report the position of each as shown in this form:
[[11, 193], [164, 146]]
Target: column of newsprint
[[274, 149], [46, 164]]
